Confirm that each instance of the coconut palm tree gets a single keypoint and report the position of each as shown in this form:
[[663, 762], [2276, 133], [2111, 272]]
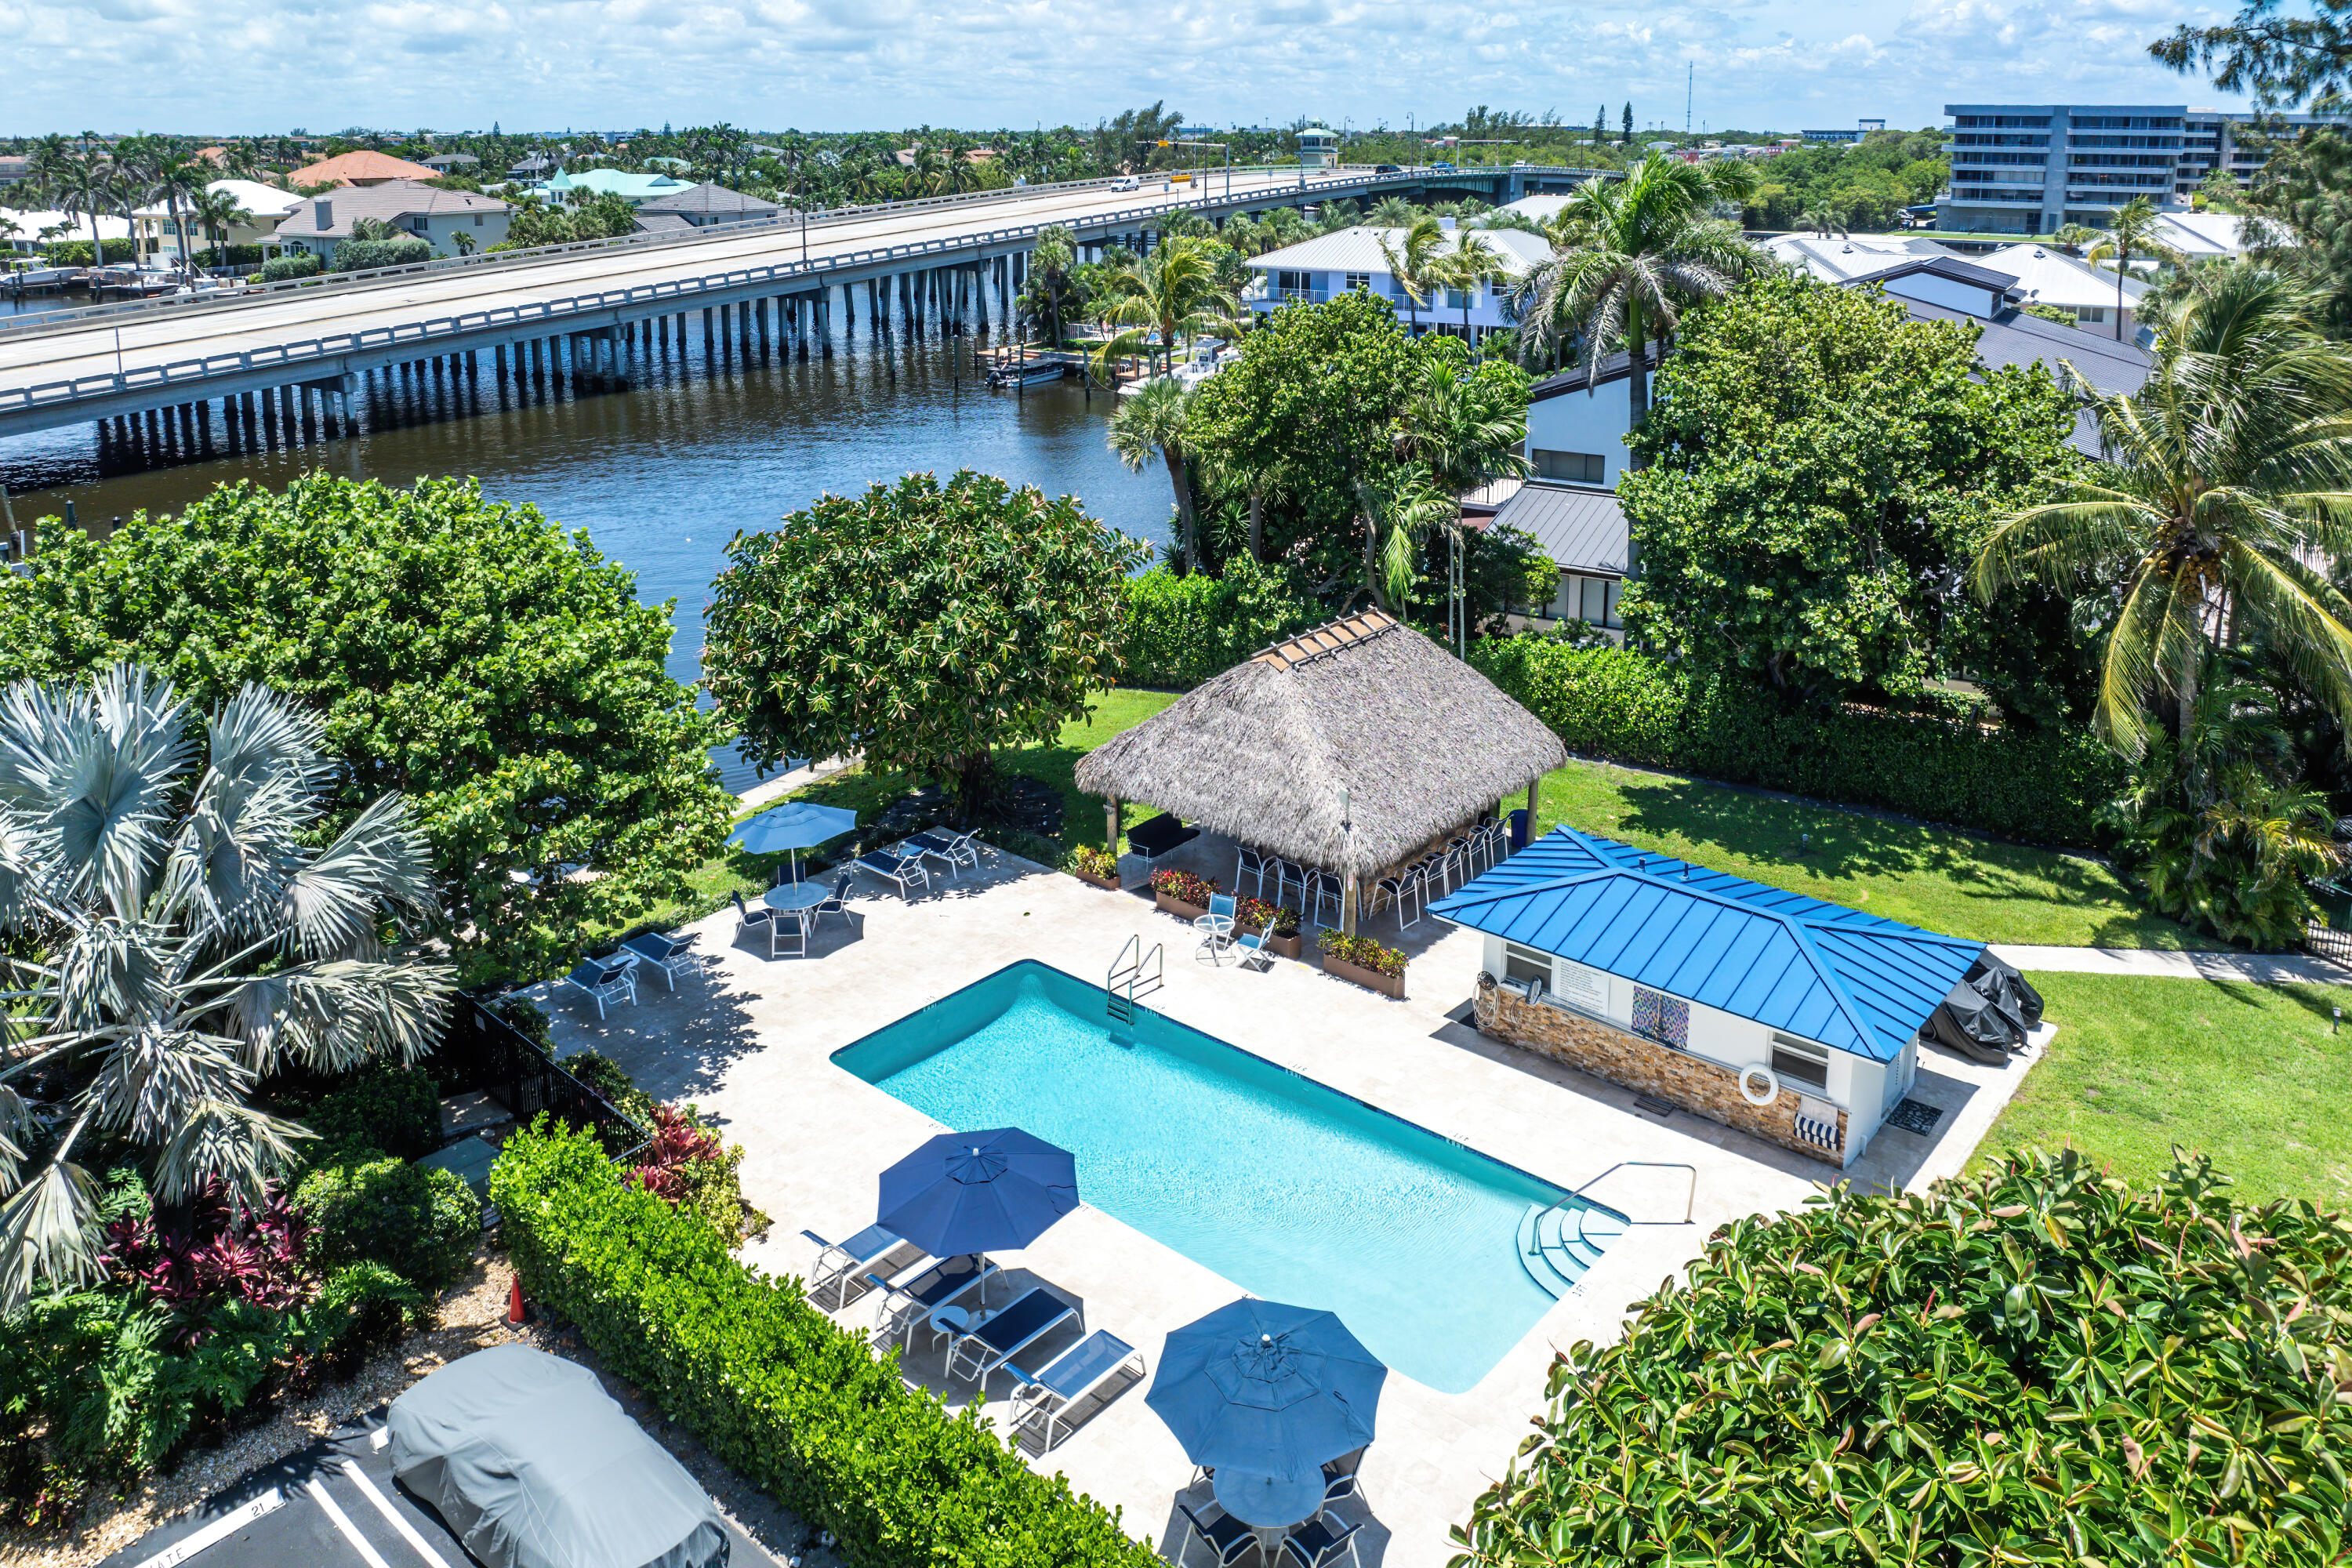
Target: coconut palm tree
[[2132, 232], [1392, 212], [173, 931], [2220, 513], [176, 181], [1411, 265], [1173, 293], [1821, 218], [1151, 422], [218, 212], [1470, 263], [86, 187], [1279, 226], [1627, 257], [1457, 435], [1049, 277]]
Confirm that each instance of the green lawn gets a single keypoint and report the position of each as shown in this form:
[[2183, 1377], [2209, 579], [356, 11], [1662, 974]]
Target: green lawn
[[1931, 877], [2252, 1074]]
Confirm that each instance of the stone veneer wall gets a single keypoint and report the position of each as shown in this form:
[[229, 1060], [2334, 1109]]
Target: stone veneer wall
[[1606, 1051]]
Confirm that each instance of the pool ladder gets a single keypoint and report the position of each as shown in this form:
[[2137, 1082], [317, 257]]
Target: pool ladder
[[1134, 975]]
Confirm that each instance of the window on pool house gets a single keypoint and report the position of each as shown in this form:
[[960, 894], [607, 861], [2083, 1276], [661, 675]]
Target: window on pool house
[[1660, 1017], [1800, 1061], [1360, 280], [1522, 964]]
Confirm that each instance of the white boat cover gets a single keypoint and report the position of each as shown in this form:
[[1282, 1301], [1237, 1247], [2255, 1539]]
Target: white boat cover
[[534, 1466]]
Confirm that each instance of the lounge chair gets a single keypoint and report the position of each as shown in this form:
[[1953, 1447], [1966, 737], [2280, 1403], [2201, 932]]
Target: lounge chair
[[999, 1338], [1160, 837], [906, 870], [843, 1265], [603, 979], [836, 902], [762, 918], [660, 950], [1228, 1537], [956, 852], [1315, 1544], [908, 1303], [1257, 947], [1045, 1402]]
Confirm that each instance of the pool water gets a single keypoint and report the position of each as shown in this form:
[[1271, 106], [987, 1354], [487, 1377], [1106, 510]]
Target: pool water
[[1290, 1189]]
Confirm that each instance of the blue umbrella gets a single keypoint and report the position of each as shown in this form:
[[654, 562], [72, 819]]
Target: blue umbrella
[[995, 1191], [795, 825], [1266, 1389]]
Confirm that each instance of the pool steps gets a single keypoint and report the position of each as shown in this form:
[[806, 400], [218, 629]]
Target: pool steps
[[1557, 1243]]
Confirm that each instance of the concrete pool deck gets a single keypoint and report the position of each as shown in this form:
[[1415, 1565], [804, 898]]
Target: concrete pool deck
[[750, 1040]]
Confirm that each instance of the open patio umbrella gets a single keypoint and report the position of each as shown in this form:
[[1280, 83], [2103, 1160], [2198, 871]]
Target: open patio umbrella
[[796, 824], [995, 1191], [1266, 1390]]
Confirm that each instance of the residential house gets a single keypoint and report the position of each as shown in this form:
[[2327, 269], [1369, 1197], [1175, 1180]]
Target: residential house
[[453, 162], [635, 189], [360, 169], [1788, 1018], [1843, 258], [15, 171], [538, 166], [2050, 277], [705, 206], [322, 223], [27, 231], [265, 205], [1351, 258], [2216, 236]]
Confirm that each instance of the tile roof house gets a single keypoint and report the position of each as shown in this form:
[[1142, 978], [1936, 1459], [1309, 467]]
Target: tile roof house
[[360, 169], [1787, 1017], [322, 223]]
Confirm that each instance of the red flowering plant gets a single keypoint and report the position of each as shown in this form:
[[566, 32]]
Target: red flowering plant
[[223, 1250], [688, 1165], [1250, 916], [1183, 887], [678, 1142]]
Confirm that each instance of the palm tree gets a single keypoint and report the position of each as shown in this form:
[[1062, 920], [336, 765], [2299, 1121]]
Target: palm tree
[[85, 188], [1049, 274], [172, 934], [219, 212], [1151, 421], [1281, 227], [1458, 434], [174, 180], [1821, 218], [1412, 266], [1392, 212], [2221, 509], [1627, 257], [2132, 232], [1173, 291], [1470, 263]]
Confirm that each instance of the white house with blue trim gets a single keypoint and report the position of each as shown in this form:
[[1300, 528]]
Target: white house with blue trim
[[1781, 1015]]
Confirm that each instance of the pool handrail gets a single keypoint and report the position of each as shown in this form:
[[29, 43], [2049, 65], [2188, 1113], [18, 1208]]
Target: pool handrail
[[1690, 1197]]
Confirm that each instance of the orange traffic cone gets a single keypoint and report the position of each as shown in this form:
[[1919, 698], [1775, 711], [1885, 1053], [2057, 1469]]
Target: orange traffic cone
[[514, 1300]]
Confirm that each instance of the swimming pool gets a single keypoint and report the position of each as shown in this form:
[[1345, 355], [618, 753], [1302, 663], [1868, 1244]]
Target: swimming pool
[[1290, 1189]]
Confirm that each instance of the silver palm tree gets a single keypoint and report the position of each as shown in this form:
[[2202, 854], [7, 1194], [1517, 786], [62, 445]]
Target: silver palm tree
[[171, 932]]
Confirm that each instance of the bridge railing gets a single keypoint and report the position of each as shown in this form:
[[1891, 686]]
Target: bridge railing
[[56, 321]]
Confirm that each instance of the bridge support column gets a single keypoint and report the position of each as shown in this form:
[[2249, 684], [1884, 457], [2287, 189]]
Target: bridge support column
[[710, 340], [760, 309], [825, 320]]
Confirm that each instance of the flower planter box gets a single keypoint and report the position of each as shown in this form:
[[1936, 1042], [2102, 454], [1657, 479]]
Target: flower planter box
[[1369, 979], [1288, 946], [1109, 882], [1177, 907]]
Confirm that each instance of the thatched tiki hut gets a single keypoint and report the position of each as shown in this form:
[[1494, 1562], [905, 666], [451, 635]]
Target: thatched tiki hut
[[1348, 747]]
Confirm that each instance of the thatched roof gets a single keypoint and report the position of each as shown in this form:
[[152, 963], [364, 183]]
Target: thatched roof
[[1422, 742]]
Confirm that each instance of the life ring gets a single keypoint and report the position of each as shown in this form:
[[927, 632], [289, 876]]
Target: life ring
[[1772, 1083]]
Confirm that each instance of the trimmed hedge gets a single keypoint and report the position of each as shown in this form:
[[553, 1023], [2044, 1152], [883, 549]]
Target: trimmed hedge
[[1180, 631], [300, 264], [360, 255], [775, 1389], [2045, 786]]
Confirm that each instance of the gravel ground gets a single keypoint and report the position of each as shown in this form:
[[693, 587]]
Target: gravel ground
[[472, 1316]]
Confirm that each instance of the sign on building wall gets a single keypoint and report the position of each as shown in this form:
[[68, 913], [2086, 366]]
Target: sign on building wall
[[1580, 986]]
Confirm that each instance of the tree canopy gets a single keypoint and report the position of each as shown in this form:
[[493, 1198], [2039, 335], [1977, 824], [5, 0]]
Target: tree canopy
[[922, 624], [465, 654], [1822, 468]]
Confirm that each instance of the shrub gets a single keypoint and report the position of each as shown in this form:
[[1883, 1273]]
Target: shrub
[[605, 1076], [220, 1250], [1362, 952], [359, 254], [388, 1107], [1094, 860], [529, 1019], [300, 264], [1250, 915], [231, 256], [2038, 1365], [2045, 786], [778, 1392], [75, 252], [422, 1224], [1183, 887], [689, 1167], [1180, 631]]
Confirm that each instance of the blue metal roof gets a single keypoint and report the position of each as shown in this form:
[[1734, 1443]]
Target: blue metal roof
[[1854, 982]]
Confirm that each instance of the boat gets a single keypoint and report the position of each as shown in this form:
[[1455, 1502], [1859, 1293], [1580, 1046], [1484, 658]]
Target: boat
[[1028, 373]]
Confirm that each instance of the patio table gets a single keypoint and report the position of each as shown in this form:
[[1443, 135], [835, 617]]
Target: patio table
[[1218, 930], [1253, 1496], [795, 896]]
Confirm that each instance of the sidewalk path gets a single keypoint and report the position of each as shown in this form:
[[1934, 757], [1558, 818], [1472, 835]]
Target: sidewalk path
[[2259, 969]]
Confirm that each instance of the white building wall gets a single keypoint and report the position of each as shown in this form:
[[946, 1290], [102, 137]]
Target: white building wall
[[1593, 422], [1945, 291]]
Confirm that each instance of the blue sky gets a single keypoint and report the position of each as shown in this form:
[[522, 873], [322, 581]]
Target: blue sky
[[273, 65]]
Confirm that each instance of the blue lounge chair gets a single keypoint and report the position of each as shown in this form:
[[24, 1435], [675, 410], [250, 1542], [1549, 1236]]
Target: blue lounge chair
[[909, 1303], [842, 1265], [906, 870], [956, 851], [1045, 1402], [603, 979], [1228, 1537], [1005, 1335], [660, 950], [1315, 1544]]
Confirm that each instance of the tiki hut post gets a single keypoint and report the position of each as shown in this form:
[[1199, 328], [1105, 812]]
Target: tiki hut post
[[1350, 902], [1110, 824]]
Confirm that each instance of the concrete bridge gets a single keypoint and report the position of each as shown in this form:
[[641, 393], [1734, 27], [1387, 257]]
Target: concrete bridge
[[289, 355]]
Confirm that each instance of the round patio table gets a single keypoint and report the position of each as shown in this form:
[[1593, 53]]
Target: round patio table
[[1216, 930], [1268, 1504], [795, 896]]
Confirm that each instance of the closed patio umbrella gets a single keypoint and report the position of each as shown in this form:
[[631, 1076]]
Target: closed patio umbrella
[[995, 1191], [1268, 1391], [796, 824]]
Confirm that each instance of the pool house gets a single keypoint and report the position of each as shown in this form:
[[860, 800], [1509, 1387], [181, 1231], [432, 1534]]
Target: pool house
[[1792, 1019], [1360, 752]]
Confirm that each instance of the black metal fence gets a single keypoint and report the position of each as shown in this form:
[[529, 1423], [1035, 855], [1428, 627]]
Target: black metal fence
[[483, 1052], [2326, 941]]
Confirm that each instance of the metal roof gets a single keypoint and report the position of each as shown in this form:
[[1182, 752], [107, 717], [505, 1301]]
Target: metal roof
[[1358, 249], [1581, 530], [1854, 981]]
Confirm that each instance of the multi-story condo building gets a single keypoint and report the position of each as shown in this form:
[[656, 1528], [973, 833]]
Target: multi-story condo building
[[2032, 168], [2216, 139]]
